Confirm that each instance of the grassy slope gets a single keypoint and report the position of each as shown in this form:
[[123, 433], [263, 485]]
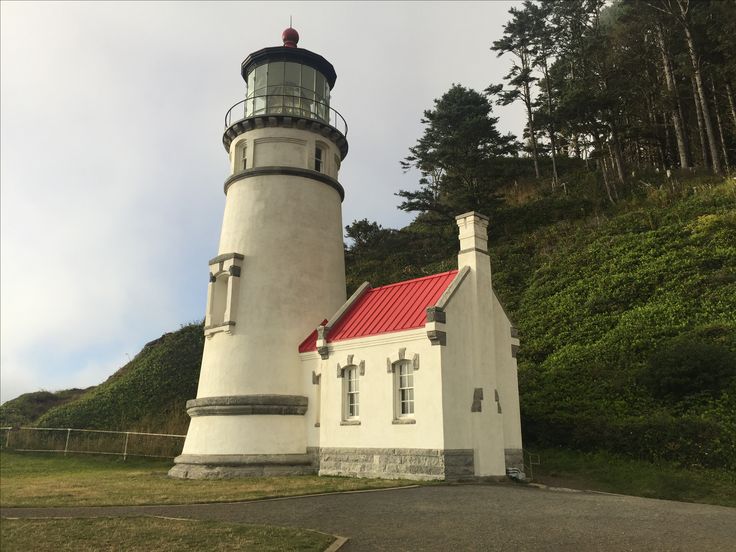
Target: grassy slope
[[28, 407], [600, 299], [147, 394], [606, 472]]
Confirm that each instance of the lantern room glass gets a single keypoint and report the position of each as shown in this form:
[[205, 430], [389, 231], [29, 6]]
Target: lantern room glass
[[287, 88]]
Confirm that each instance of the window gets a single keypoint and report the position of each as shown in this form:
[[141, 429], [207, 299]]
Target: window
[[244, 157], [318, 159], [405, 375], [352, 393], [222, 293]]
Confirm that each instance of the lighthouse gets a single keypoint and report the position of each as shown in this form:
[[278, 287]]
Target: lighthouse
[[279, 269]]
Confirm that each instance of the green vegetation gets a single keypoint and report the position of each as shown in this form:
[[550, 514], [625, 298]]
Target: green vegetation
[[149, 533], [34, 479], [602, 471], [147, 394], [28, 407]]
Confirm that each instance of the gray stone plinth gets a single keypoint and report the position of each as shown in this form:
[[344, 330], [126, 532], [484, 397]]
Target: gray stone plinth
[[397, 463], [514, 458], [228, 466]]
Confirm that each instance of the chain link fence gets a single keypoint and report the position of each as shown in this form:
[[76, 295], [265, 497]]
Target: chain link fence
[[91, 441]]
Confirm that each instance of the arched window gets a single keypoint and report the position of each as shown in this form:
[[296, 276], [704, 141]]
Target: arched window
[[404, 375], [350, 374], [403, 370], [351, 393]]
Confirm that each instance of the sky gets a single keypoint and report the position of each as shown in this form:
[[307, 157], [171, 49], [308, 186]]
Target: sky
[[112, 164]]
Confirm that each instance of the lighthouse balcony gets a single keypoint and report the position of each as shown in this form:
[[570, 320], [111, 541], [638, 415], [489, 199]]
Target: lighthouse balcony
[[288, 110]]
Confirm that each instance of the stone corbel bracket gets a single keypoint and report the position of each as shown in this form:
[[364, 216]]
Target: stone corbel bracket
[[435, 326]]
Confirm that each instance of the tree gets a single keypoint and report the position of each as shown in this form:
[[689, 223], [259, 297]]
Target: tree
[[455, 155], [518, 40]]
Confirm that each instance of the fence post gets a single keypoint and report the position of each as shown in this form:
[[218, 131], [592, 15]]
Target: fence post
[[125, 450], [66, 445]]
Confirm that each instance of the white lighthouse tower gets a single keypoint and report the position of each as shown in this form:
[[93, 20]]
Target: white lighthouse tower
[[278, 270]]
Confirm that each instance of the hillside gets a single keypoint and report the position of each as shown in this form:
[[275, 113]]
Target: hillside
[[28, 407], [147, 394], [627, 316]]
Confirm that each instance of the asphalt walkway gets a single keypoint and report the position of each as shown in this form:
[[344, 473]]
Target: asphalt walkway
[[468, 517]]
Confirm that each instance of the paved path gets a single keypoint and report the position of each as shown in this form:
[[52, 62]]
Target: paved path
[[469, 517]]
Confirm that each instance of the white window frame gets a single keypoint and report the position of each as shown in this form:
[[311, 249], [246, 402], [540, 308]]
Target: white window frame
[[351, 390], [404, 386], [320, 159]]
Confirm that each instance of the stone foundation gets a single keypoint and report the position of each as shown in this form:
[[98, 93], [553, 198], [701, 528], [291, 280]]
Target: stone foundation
[[397, 463], [514, 458], [229, 466]]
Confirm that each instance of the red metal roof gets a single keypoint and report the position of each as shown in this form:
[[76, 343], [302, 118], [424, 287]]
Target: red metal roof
[[392, 308]]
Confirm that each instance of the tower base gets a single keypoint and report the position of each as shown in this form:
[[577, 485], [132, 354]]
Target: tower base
[[229, 466]]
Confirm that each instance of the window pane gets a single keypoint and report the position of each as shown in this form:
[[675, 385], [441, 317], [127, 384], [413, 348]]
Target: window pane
[[320, 87], [260, 79], [308, 75], [251, 83], [275, 73], [293, 74], [259, 105]]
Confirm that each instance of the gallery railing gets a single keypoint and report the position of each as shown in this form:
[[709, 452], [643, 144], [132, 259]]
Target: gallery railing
[[286, 104]]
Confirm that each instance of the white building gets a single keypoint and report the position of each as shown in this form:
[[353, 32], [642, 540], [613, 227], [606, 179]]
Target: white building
[[413, 380]]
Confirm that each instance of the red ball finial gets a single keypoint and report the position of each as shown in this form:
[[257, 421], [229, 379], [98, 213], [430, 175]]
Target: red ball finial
[[290, 37]]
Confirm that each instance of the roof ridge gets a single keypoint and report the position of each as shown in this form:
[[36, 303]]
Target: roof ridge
[[413, 280]]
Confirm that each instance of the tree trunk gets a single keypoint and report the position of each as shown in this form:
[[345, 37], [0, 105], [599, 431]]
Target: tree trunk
[[614, 148], [605, 180], [676, 110], [553, 148], [729, 93], [701, 92], [701, 131], [530, 126], [720, 125]]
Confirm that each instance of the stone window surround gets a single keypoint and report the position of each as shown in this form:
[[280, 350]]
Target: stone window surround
[[227, 265], [391, 365]]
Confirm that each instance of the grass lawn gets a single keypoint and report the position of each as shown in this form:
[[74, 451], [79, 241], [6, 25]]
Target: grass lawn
[[606, 472], [38, 479], [147, 533]]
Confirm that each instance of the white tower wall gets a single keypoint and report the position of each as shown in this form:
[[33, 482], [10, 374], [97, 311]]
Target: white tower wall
[[279, 269]]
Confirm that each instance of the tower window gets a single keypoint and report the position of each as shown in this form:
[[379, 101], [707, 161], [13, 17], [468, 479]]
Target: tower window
[[244, 158], [318, 159]]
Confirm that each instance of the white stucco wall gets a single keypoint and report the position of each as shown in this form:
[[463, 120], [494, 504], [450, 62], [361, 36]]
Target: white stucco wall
[[469, 359], [508, 383], [284, 147], [376, 429], [289, 231], [245, 435]]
